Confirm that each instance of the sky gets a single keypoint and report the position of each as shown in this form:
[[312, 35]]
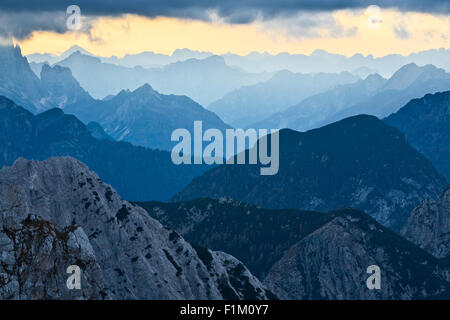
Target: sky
[[133, 26]]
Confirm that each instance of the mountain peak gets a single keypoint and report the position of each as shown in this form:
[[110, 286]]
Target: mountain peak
[[75, 49], [374, 77], [47, 70], [408, 74], [78, 55], [145, 88], [428, 226]]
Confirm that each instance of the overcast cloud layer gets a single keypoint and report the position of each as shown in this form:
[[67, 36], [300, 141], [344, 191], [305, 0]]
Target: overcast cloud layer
[[20, 18]]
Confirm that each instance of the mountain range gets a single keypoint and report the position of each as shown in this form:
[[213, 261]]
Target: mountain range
[[255, 62], [352, 192], [18, 82], [203, 80], [321, 255], [249, 104], [145, 117], [137, 173], [72, 218], [359, 161], [256, 236], [55, 87], [374, 95]]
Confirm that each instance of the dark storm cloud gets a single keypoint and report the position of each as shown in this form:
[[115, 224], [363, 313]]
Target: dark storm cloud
[[21, 24], [26, 12]]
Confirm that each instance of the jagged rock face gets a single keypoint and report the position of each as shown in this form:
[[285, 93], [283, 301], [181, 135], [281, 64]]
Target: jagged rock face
[[62, 87], [138, 258], [429, 226], [34, 258], [331, 263], [17, 81]]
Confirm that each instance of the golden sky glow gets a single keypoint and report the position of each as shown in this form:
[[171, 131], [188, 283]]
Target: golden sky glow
[[134, 34]]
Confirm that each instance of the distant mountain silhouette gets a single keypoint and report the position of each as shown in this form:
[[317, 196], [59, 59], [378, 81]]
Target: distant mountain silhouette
[[322, 61], [62, 87], [249, 104], [146, 59], [374, 95], [359, 161], [138, 173], [428, 226], [202, 80], [50, 58], [145, 117], [255, 62], [426, 125]]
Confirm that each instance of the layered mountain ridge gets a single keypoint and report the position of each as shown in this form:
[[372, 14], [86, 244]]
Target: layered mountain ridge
[[136, 172], [374, 96], [359, 161], [145, 117]]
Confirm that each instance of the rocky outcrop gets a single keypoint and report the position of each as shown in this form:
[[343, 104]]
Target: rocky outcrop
[[35, 255], [332, 262], [18, 82], [57, 213], [429, 226]]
